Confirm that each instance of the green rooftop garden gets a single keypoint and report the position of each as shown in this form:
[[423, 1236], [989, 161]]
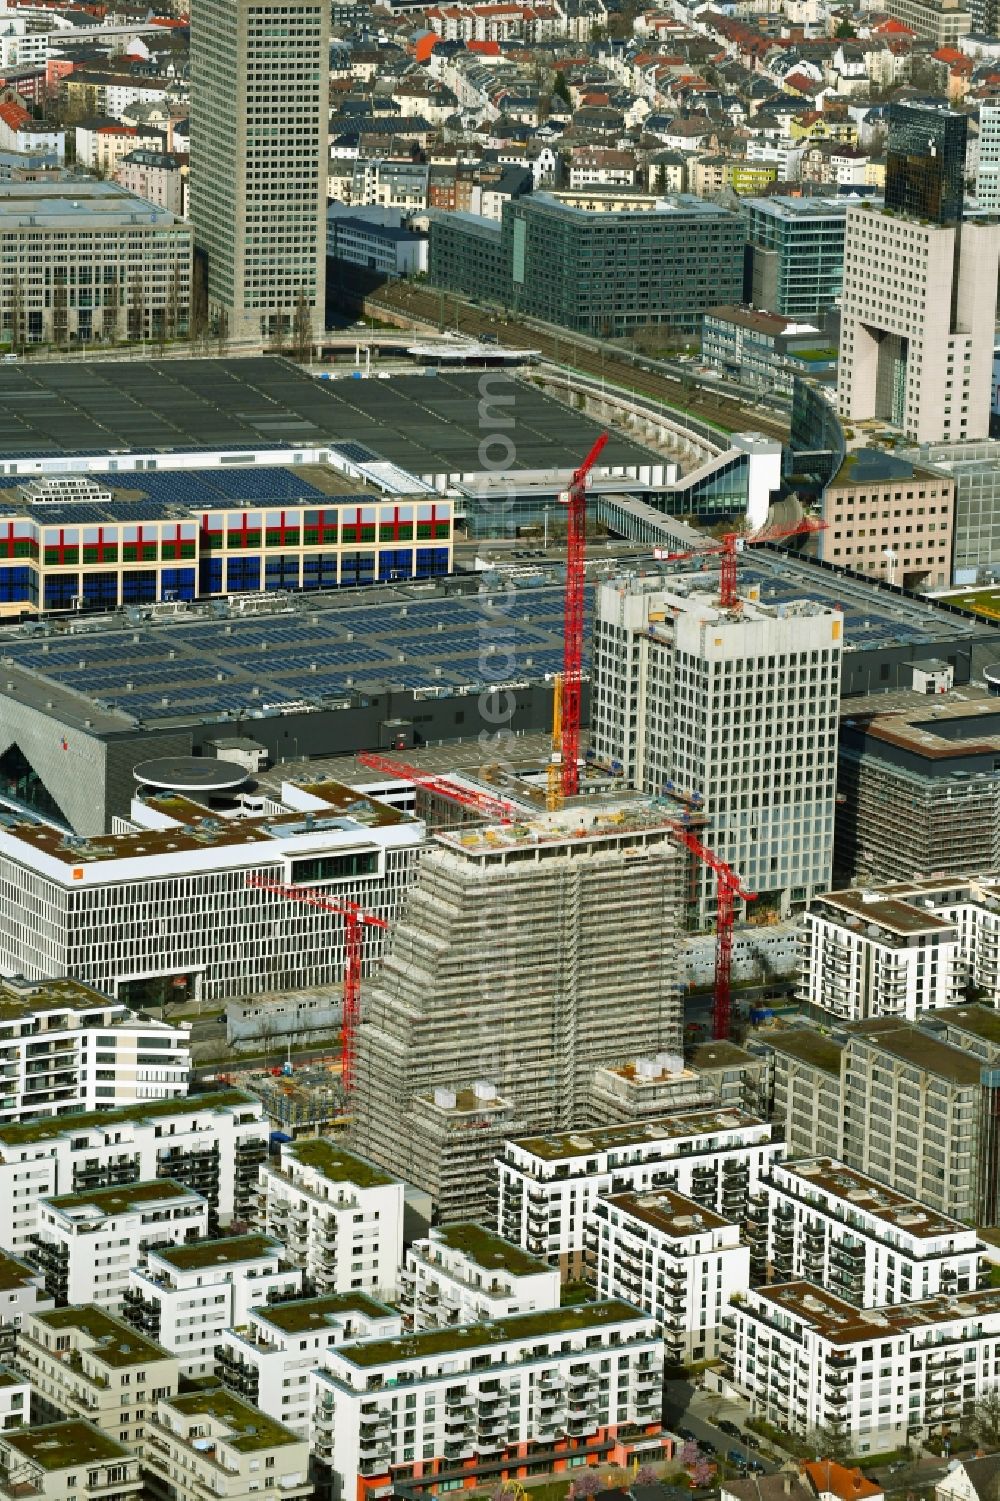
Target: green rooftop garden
[[339, 1166], [56, 1446], [301, 1315], [243, 1427], [202, 1254], [129, 1196], [146, 1110], [489, 1250], [116, 1343], [584, 1318]]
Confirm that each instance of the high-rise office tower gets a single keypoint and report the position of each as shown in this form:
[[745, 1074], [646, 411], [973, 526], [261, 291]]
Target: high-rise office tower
[[988, 173], [259, 122], [925, 162], [733, 711], [920, 287]]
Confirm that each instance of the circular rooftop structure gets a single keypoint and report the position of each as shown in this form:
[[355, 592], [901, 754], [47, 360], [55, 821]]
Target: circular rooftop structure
[[191, 774]]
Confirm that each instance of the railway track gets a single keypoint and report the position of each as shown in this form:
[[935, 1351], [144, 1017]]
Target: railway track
[[426, 307]]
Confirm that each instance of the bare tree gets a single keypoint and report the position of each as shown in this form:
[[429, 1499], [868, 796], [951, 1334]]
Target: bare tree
[[984, 1419], [829, 1443], [301, 327], [222, 329], [136, 309]]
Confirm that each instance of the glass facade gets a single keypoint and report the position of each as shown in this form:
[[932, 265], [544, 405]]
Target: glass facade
[[925, 162], [796, 254]]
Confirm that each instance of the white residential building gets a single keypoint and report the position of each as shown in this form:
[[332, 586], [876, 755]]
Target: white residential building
[[464, 1406], [340, 1217], [870, 953], [85, 1363], [186, 1296], [15, 1401], [65, 1047], [867, 1243], [674, 1259], [736, 712], [67, 1461], [465, 1274], [213, 1143], [549, 1185], [87, 1242], [806, 1360], [212, 1443], [178, 865], [268, 1361], [22, 1291]]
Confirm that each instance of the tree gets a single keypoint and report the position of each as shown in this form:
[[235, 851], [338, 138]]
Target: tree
[[829, 1443], [702, 1475], [561, 88], [301, 327], [984, 1420], [587, 1484], [845, 31], [222, 329], [136, 309], [646, 1475]]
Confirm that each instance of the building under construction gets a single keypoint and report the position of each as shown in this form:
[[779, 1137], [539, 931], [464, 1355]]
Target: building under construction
[[500, 972]]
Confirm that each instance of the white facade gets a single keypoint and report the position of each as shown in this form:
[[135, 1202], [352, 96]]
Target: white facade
[[186, 1296], [549, 1185], [484, 1391], [464, 1274], [269, 1360], [866, 953], [867, 1243], [676, 1261], [340, 1217], [87, 1242], [68, 1461], [145, 903], [213, 1141], [212, 1443], [807, 1360], [735, 711], [904, 356], [65, 1048], [15, 1400], [22, 1292]]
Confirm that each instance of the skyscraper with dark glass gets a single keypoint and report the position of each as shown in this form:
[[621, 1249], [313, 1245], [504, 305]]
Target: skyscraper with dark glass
[[925, 162]]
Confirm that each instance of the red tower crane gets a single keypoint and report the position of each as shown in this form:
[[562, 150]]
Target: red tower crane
[[728, 888], [729, 552], [497, 809], [356, 919], [576, 557]]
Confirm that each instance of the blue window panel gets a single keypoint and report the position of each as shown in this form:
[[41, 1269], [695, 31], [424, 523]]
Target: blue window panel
[[15, 584], [210, 576], [281, 573], [100, 590], [242, 574], [139, 586], [60, 590], [432, 562], [177, 583], [395, 563], [357, 568]]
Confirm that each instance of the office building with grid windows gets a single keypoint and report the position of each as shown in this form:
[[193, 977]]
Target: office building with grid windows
[[259, 111], [734, 711], [796, 254], [164, 906]]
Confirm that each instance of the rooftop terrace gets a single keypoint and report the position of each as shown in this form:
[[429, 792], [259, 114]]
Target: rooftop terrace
[[114, 1342], [488, 1250], [242, 1427], [843, 1324], [28, 1132], [640, 1133], [337, 1164], [57, 1446], [204, 1255], [309, 1315], [113, 1201]]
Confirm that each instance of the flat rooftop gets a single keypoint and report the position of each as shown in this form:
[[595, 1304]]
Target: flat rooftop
[[857, 1191], [112, 1201], [20, 1000], [585, 1318], [27, 1133], [338, 1165], [911, 1044], [242, 1427], [843, 1324], [56, 1446], [981, 1020], [808, 1047], [81, 205], [114, 1341], [309, 1315], [203, 1255], [423, 424], [671, 1213], [568, 1144], [895, 917], [487, 1249], [15, 1274], [948, 727]]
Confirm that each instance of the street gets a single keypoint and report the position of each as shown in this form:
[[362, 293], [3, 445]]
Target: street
[[687, 1406]]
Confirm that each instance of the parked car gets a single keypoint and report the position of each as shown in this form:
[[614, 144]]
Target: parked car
[[686, 1435], [737, 1457], [727, 1426], [755, 1467], [707, 1447]]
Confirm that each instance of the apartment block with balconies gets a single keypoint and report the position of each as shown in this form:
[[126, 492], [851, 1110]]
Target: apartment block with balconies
[[68, 1461], [213, 1143], [22, 1291], [267, 1361], [186, 1296], [549, 1185], [88, 1242], [465, 1274], [446, 1408], [339, 1216], [85, 1363], [807, 1360], [674, 1259], [213, 1443], [867, 1243]]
